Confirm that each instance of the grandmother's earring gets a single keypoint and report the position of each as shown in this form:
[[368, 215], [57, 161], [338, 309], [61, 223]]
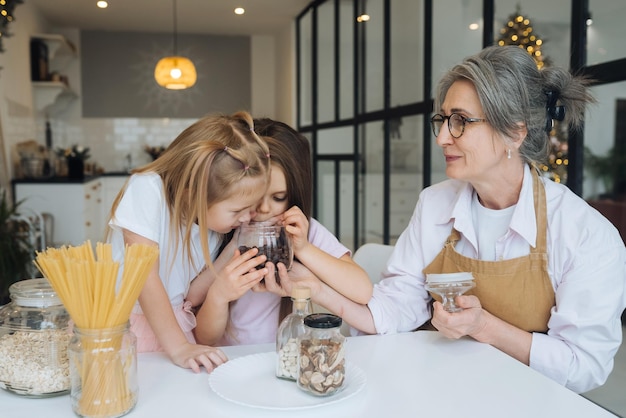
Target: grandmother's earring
[[508, 153]]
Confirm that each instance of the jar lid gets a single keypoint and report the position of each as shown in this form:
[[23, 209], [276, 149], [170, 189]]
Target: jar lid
[[322, 321], [34, 293]]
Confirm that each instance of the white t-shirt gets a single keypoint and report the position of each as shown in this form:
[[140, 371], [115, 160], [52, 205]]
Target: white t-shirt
[[143, 211]]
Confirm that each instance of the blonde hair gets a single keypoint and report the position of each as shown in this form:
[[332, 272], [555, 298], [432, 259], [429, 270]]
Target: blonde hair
[[201, 167]]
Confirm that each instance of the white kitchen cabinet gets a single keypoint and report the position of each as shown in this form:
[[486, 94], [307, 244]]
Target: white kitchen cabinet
[[76, 208]]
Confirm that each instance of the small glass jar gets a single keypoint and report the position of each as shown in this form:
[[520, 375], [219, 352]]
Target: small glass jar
[[33, 341], [288, 332], [321, 361], [103, 371], [271, 240]]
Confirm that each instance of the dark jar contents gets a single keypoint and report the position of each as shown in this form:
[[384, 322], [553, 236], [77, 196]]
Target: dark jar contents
[[321, 360], [34, 337], [271, 240]]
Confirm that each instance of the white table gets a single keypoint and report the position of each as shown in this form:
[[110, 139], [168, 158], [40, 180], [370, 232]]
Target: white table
[[419, 374]]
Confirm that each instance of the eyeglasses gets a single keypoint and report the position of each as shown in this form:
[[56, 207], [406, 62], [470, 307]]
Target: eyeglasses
[[456, 123]]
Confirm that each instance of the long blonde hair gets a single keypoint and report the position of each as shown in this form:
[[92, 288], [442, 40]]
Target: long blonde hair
[[201, 167]]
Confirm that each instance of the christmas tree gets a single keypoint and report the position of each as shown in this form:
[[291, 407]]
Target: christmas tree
[[6, 16], [518, 31]]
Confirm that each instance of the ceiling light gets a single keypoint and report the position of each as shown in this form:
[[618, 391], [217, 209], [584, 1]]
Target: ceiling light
[[589, 20], [102, 4], [240, 11], [363, 18], [473, 26], [175, 72]]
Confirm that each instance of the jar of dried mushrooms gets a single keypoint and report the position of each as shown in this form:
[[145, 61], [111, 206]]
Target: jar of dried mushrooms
[[33, 341], [321, 361]]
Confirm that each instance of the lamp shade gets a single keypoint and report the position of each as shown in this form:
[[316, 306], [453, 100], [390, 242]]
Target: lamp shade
[[175, 73]]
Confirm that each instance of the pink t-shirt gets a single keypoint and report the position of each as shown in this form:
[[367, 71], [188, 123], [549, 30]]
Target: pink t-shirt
[[254, 316]]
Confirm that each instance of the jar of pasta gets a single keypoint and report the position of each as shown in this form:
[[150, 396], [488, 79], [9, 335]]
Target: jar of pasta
[[103, 371], [321, 361], [33, 341]]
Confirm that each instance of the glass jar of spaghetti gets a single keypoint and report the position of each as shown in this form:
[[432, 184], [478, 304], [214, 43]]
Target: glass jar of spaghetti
[[103, 371], [33, 341]]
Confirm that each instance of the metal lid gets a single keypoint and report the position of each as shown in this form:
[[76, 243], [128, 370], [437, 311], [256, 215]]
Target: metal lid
[[322, 321]]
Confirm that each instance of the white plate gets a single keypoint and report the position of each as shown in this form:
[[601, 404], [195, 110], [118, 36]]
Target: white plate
[[252, 381]]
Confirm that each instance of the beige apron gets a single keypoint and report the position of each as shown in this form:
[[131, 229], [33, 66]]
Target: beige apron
[[518, 291]]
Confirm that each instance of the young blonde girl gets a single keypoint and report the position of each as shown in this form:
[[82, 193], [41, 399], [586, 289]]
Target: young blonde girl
[[229, 317], [207, 183]]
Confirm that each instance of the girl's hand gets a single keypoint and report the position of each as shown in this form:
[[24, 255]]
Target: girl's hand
[[299, 275], [238, 276], [455, 325], [193, 356], [297, 225]]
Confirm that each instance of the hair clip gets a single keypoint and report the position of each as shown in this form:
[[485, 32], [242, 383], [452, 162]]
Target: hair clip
[[246, 167], [226, 148], [268, 155]]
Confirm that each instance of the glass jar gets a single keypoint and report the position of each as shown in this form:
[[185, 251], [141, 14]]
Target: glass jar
[[271, 240], [288, 332], [321, 361], [33, 341], [103, 371]]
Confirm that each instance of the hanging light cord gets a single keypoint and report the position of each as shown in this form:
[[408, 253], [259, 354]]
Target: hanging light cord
[[175, 30]]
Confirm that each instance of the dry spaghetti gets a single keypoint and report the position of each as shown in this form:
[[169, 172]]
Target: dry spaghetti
[[100, 307]]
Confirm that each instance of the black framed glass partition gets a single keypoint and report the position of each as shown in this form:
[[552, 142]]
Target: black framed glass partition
[[366, 72]]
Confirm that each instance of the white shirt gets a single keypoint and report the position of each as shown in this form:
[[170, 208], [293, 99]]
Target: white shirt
[[586, 263], [143, 211]]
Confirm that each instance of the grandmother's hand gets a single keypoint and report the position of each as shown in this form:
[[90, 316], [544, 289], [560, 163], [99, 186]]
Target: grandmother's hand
[[470, 321]]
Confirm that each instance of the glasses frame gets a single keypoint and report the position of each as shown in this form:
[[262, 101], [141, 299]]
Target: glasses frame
[[464, 120]]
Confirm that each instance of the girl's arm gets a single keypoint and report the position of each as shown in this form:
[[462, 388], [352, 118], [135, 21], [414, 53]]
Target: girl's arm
[[341, 274], [237, 277], [158, 311], [355, 314]]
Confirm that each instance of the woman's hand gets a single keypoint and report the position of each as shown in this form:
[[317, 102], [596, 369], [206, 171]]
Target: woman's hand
[[297, 225], [193, 356], [470, 321]]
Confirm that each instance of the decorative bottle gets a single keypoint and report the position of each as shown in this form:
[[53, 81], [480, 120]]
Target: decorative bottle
[[290, 329]]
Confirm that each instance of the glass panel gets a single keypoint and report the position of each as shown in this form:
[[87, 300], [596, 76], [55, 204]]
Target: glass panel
[[606, 34], [372, 200], [453, 20], [406, 171], [326, 62], [604, 129], [374, 56], [336, 141], [343, 226], [346, 60], [550, 24], [305, 70], [407, 37]]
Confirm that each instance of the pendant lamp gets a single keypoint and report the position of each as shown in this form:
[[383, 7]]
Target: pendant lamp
[[175, 72]]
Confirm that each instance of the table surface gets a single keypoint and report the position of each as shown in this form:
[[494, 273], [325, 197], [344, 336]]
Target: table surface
[[408, 375]]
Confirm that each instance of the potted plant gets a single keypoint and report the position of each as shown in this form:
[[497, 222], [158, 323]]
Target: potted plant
[[16, 252]]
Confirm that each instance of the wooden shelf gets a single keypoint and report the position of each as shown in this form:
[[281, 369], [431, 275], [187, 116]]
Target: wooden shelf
[[58, 45]]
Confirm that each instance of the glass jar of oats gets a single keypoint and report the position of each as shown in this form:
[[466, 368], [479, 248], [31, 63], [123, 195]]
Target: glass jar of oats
[[34, 337]]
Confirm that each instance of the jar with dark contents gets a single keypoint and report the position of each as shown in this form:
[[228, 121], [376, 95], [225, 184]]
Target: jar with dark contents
[[321, 360], [34, 336], [271, 240]]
